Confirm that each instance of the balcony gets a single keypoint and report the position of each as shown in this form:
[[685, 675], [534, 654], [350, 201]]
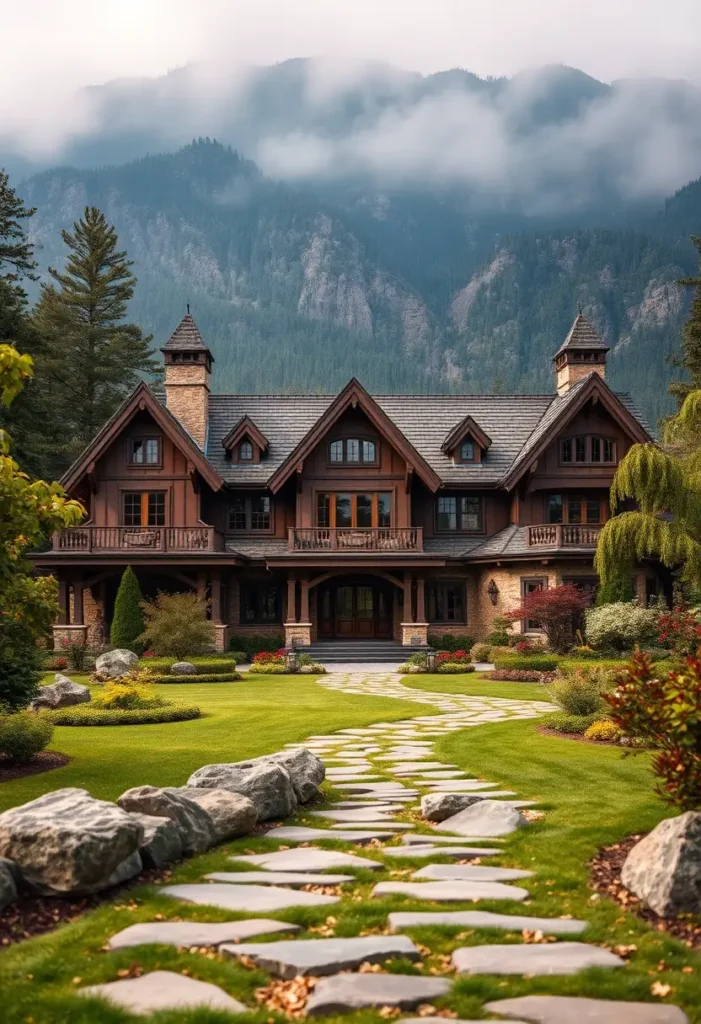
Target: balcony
[[565, 535], [83, 540], [354, 539]]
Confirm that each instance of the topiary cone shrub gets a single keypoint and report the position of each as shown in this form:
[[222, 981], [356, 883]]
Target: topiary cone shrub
[[128, 620]]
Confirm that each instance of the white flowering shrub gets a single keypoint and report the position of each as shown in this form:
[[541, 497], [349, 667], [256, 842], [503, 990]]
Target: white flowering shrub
[[620, 626]]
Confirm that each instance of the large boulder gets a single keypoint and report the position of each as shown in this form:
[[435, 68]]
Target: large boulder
[[304, 768], [231, 813], [114, 664], [183, 668], [194, 825], [63, 693], [439, 806], [161, 842], [266, 783], [68, 842], [664, 868], [8, 882]]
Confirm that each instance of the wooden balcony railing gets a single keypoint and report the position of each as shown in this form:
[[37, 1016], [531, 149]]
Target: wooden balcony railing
[[564, 535], [382, 538], [182, 539]]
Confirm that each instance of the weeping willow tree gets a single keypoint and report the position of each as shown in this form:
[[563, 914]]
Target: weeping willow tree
[[665, 484]]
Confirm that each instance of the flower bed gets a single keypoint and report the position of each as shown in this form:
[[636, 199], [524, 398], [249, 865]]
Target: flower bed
[[451, 668], [506, 675]]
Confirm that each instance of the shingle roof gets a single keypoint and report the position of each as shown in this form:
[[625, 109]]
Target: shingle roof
[[582, 336], [185, 336], [513, 542]]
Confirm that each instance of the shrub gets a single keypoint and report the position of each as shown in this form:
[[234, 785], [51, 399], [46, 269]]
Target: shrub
[[604, 731], [408, 669], [480, 652], [85, 714], [542, 663], [580, 691], [680, 629], [128, 618], [561, 721], [584, 653], [177, 626], [506, 675], [204, 665], [419, 659], [315, 668], [455, 656], [453, 667], [254, 643], [23, 734], [270, 668], [557, 611], [449, 642], [501, 634], [56, 664], [77, 653], [127, 696], [665, 713], [619, 627], [20, 663], [267, 658], [204, 677]]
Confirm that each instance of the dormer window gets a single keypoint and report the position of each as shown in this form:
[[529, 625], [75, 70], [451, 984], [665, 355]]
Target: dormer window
[[145, 451], [352, 450], [245, 451], [467, 442], [467, 451]]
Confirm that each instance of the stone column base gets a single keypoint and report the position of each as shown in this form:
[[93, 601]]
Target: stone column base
[[73, 634], [298, 634], [221, 636], [414, 634]]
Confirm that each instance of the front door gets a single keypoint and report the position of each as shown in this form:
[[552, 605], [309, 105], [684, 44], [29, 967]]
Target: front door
[[354, 610]]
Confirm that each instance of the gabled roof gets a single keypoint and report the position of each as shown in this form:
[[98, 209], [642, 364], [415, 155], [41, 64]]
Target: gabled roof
[[185, 337], [582, 337], [245, 428], [466, 426], [354, 395], [562, 409], [139, 400]]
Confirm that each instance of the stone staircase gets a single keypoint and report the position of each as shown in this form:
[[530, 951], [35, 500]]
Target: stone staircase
[[361, 652]]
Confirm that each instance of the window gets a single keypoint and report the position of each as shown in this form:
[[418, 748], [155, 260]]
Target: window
[[145, 451], [245, 451], [576, 509], [348, 510], [587, 450], [260, 603], [352, 450], [446, 602], [459, 513], [527, 587], [250, 512], [467, 451], [586, 585], [144, 508]]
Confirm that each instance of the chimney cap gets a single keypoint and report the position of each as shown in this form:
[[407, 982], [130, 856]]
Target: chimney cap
[[582, 336], [186, 337]]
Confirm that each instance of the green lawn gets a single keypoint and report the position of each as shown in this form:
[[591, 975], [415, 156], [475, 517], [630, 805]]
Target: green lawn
[[474, 684]]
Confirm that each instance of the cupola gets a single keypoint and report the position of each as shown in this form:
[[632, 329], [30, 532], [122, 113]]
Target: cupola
[[582, 352]]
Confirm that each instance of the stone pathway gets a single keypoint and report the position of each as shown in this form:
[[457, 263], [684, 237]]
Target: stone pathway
[[383, 771]]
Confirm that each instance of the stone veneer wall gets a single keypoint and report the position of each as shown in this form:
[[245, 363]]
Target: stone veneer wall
[[93, 618], [187, 397]]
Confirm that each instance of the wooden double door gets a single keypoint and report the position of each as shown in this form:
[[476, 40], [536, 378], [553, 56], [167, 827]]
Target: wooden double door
[[355, 610]]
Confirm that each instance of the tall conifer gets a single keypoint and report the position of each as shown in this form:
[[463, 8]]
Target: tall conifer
[[128, 618], [690, 358]]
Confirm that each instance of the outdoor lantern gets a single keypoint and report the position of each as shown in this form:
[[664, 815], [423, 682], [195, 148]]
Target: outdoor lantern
[[493, 591]]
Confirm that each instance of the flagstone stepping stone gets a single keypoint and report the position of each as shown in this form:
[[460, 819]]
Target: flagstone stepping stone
[[463, 786], [378, 788], [417, 839], [392, 826], [332, 773], [453, 1020], [485, 818], [163, 990], [301, 834], [451, 892], [350, 777], [320, 957], [485, 794], [470, 873], [196, 933], [378, 805], [293, 879], [432, 776], [346, 992], [538, 958], [418, 766], [308, 859], [246, 897], [441, 851], [484, 919], [574, 1010], [352, 814]]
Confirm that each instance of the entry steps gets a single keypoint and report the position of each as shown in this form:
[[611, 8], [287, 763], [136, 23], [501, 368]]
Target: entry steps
[[359, 651]]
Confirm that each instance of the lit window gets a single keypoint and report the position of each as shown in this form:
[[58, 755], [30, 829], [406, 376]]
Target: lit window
[[245, 451], [467, 451]]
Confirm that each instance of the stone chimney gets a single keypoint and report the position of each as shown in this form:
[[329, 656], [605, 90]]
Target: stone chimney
[[188, 373], [582, 352]]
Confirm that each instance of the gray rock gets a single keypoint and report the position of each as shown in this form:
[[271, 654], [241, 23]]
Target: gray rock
[[320, 957], [346, 992], [441, 851], [439, 806], [573, 1010], [538, 958], [485, 818], [194, 825], [163, 990], [68, 842], [266, 783], [8, 882], [293, 879], [63, 693], [307, 859], [306, 770], [231, 814], [114, 664], [195, 933], [470, 873], [301, 834], [161, 843], [484, 919], [183, 668], [247, 898], [664, 868], [451, 892]]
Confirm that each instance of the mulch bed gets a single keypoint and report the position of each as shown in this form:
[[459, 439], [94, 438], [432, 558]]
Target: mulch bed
[[577, 737], [46, 761], [606, 878]]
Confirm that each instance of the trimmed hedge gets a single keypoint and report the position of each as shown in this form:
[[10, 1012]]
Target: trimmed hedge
[[204, 664], [560, 721], [449, 642], [204, 677], [255, 643], [269, 668], [529, 663], [452, 668], [83, 714]]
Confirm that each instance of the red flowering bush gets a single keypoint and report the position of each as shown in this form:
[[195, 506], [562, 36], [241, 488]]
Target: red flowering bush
[[456, 657], [525, 647], [271, 657], [665, 713], [680, 630], [56, 664], [557, 610], [149, 654]]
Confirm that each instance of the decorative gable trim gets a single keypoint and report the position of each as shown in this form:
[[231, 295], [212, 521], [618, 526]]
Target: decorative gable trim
[[140, 399], [595, 388], [354, 396], [245, 428], [467, 427]]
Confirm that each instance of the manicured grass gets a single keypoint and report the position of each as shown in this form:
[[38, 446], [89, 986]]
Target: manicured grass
[[473, 684]]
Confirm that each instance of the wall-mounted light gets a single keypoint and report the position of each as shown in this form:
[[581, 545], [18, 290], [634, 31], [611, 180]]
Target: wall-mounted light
[[493, 591]]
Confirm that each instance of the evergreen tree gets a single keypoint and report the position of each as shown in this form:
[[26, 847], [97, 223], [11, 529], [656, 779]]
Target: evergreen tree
[[128, 619], [16, 252], [690, 359], [91, 359]]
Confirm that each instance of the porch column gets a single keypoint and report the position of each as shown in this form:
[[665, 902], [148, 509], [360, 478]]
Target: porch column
[[221, 629], [291, 599], [420, 599], [78, 602], [297, 633], [304, 603], [407, 615], [62, 602], [201, 586], [414, 633]]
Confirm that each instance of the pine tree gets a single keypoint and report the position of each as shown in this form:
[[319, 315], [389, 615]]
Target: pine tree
[[690, 359], [128, 618], [16, 252], [91, 359]]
